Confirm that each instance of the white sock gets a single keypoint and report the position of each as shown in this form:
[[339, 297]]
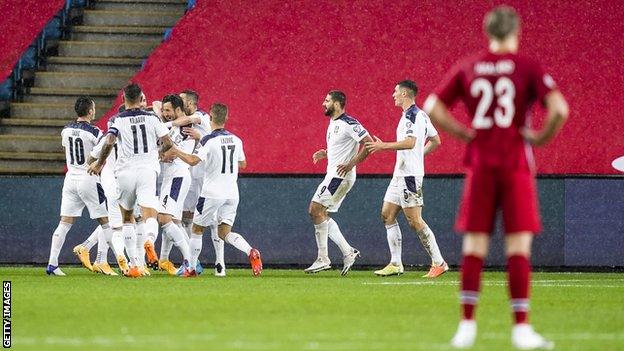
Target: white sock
[[393, 234], [321, 233], [92, 239], [58, 238], [336, 236], [238, 242], [428, 241], [140, 241], [102, 247], [195, 247], [130, 241], [116, 241], [151, 229], [219, 245], [187, 225], [185, 230], [165, 247], [177, 236]]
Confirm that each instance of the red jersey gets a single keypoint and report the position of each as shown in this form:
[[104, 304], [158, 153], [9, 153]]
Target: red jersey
[[498, 91]]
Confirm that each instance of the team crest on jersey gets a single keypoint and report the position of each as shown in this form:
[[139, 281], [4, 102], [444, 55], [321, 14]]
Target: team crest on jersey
[[357, 128]]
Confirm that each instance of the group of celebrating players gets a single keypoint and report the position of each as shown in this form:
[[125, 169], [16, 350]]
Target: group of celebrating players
[[198, 162]]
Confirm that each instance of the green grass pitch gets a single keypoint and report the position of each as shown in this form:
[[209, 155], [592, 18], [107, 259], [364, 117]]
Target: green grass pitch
[[288, 310]]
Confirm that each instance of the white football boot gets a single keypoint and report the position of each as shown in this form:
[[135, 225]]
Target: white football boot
[[466, 334], [321, 264], [523, 337]]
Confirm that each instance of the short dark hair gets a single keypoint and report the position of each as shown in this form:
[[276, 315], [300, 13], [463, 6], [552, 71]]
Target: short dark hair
[[175, 100], [218, 113], [132, 93], [339, 97], [191, 94], [83, 104], [409, 85], [501, 22]]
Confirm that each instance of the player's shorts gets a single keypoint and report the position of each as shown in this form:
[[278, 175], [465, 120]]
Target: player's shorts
[[405, 192], [211, 211], [485, 190], [82, 191], [332, 191], [110, 190], [172, 194], [137, 186], [193, 194]]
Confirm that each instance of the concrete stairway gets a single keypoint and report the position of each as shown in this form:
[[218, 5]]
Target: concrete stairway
[[97, 59]]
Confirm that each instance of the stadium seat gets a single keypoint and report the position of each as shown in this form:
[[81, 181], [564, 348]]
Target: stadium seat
[[6, 89], [167, 33], [190, 5]]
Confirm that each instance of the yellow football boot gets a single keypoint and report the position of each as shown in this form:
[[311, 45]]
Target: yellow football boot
[[103, 268], [390, 269], [167, 266], [83, 255]]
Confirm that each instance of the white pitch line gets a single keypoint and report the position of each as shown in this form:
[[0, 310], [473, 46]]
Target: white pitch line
[[565, 283]]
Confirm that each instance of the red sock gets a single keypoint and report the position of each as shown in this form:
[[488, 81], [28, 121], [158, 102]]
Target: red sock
[[519, 276], [470, 284]]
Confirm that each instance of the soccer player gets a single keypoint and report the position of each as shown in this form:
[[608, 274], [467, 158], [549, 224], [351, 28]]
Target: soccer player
[[175, 185], [344, 135], [79, 188], [201, 126], [222, 155], [416, 137], [136, 132], [498, 87]]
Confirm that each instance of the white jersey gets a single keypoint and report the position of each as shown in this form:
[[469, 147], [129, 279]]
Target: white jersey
[[137, 133], [414, 123], [220, 152], [343, 137], [108, 171], [178, 168], [79, 139], [204, 129]]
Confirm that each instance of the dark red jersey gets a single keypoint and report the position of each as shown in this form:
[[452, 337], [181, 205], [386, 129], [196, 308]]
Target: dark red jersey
[[498, 91]]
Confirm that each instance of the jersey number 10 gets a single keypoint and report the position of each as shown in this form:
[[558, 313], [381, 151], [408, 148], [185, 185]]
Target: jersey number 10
[[135, 138], [76, 151]]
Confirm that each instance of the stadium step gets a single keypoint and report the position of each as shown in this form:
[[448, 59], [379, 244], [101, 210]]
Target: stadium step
[[144, 5], [137, 49], [117, 33], [47, 110], [93, 80], [32, 162], [30, 143], [99, 57], [131, 18]]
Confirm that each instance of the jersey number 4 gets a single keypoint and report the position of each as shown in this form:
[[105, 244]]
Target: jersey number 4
[[224, 154], [503, 112], [135, 138], [76, 151]]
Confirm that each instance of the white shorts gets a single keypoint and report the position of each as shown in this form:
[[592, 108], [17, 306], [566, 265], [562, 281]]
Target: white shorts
[[193, 194], [82, 191], [172, 194], [215, 211], [137, 186], [110, 190], [332, 191], [405, 192]]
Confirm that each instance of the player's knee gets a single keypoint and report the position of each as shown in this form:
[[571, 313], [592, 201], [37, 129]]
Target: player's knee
[[315, 212], [387, 218], [416, 223]]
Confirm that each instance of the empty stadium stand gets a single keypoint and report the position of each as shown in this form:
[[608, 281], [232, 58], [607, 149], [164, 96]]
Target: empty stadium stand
[[95, 55]]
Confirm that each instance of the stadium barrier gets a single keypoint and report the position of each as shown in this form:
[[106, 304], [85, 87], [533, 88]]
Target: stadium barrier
[[582, 222]]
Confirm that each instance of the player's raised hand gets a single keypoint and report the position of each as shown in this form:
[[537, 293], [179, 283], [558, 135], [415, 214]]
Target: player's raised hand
[[157, 108], [95, 168], [193, 133], [374, 146], [319, 155]]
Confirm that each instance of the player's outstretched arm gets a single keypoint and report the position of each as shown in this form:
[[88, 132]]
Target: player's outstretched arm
[[558, 111], [242, 164], [432, 144], [379, 145], [361, 156], [96, 167], [319, 155], [188, 158], [441, 117]]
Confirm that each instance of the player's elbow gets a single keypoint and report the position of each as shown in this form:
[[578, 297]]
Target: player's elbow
[[242, 164], [110, 139], [558, 107]]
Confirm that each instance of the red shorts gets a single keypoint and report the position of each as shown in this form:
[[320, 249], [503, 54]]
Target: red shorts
[[486, 190]]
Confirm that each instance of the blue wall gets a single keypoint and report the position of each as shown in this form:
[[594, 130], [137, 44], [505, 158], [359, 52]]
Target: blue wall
[[583, 221]]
